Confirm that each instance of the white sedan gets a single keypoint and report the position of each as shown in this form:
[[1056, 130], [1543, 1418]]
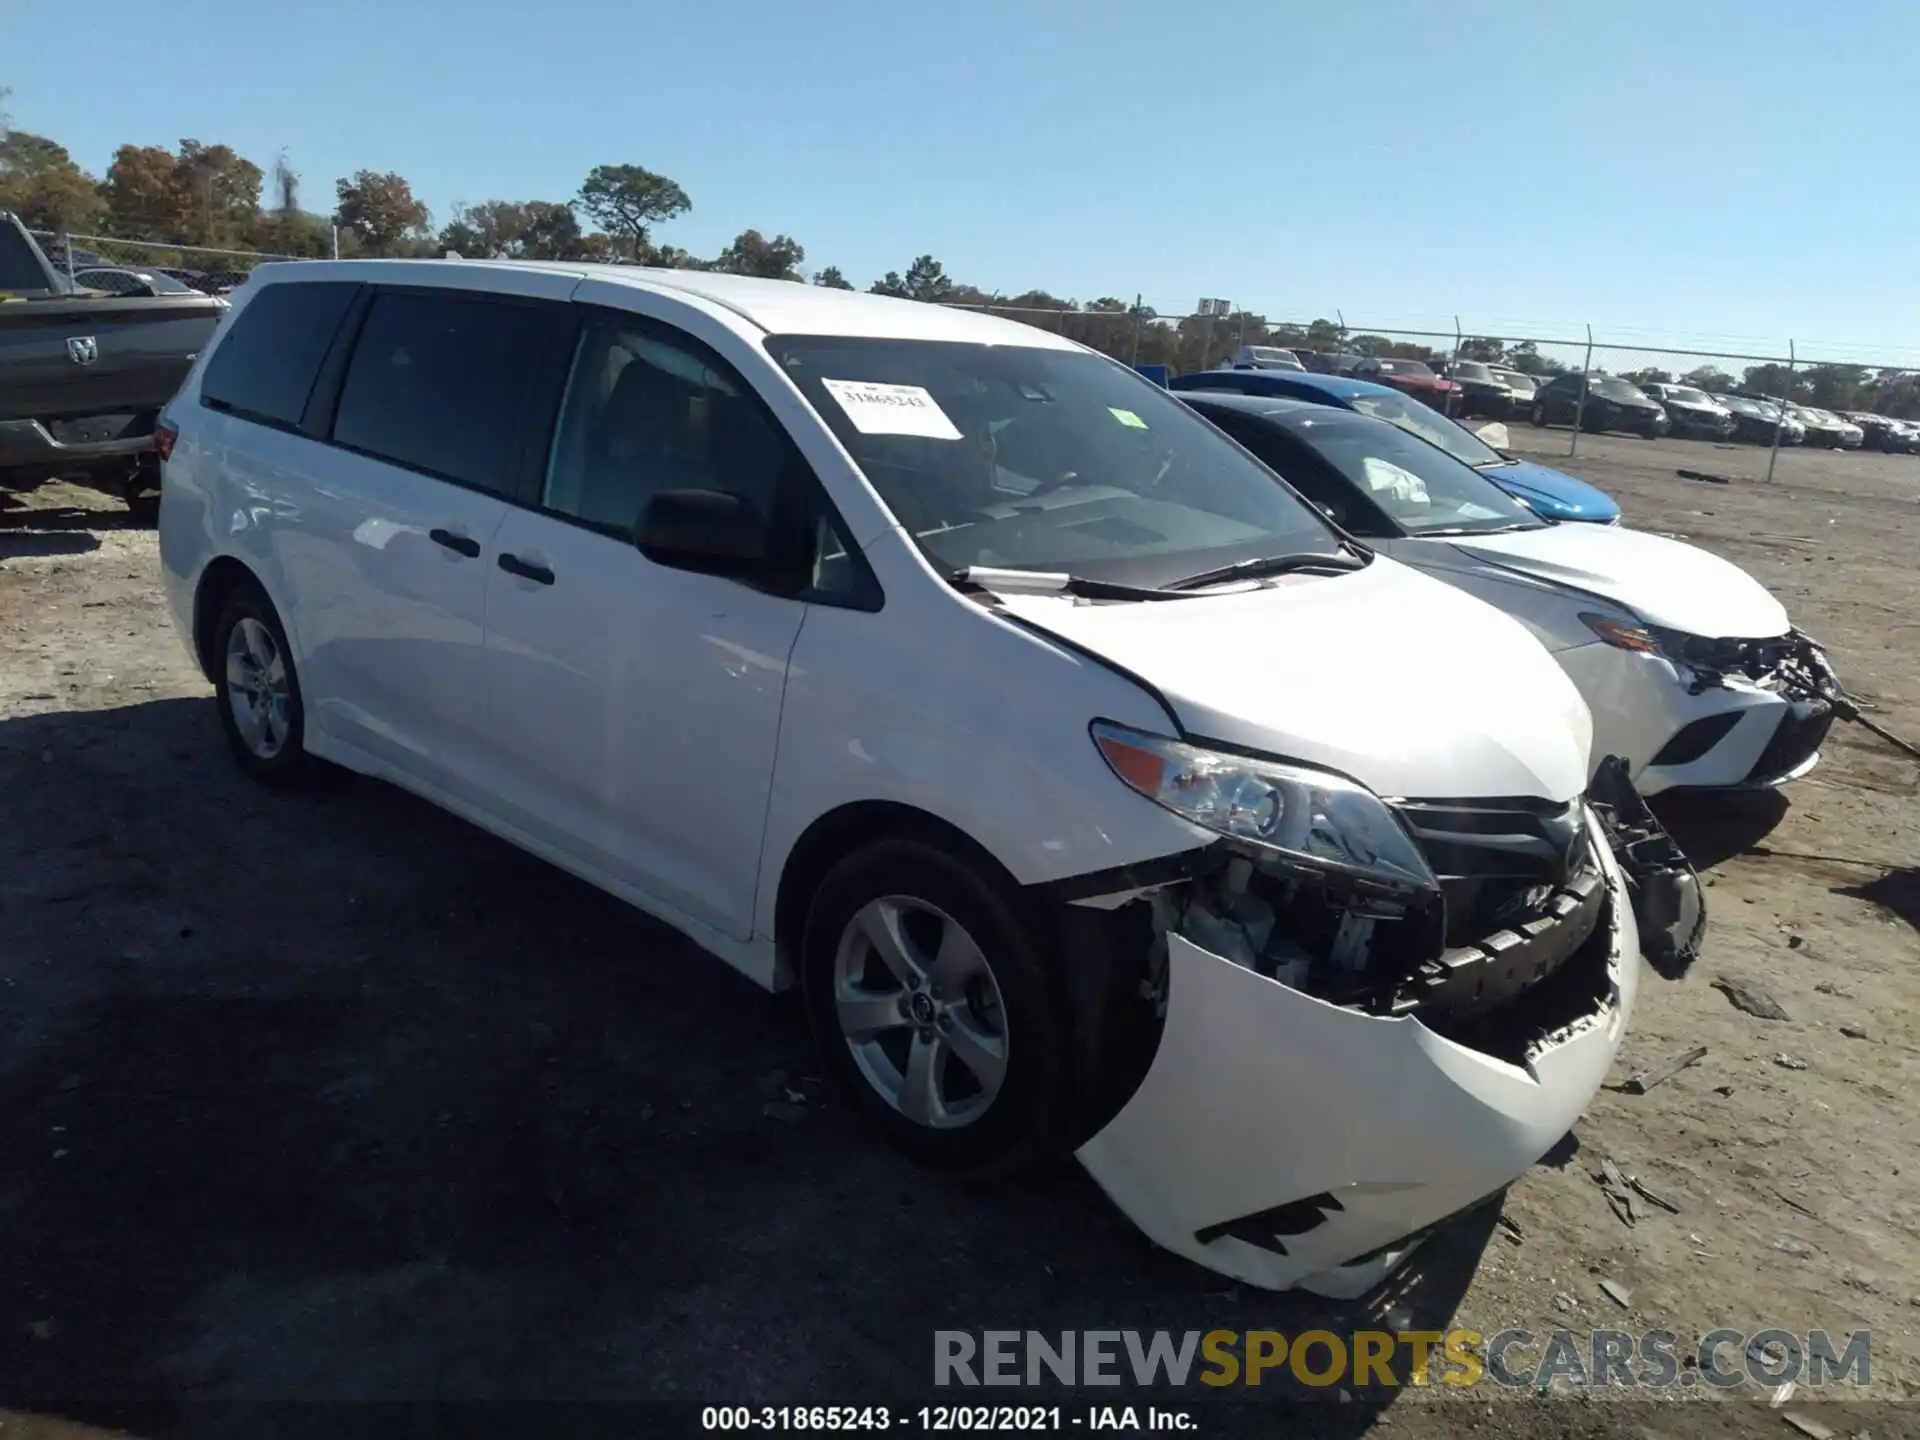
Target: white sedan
[[1693, 672]]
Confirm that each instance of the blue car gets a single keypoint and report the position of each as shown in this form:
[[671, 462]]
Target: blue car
[[1548, 493]]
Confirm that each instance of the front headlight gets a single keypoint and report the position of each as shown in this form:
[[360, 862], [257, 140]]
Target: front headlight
[[1308, 815], [1622, 634]]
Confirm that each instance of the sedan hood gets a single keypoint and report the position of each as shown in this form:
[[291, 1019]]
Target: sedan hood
[[1406, 684], [1665, 582], [1553, 494]]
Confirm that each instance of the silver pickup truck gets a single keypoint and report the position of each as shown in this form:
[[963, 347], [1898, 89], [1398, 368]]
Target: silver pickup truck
[[83, 374]]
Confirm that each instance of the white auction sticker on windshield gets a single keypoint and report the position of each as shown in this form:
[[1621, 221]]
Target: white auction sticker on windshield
[[877, 409]]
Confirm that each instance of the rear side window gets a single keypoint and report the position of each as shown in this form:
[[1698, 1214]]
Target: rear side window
[[457, 385], [265, 365]]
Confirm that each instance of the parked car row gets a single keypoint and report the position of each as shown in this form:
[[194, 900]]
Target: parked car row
[[1106, 767], [1466, 389]]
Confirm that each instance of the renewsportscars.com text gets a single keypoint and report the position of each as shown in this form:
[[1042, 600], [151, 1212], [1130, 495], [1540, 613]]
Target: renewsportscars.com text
[[1518, 1359]]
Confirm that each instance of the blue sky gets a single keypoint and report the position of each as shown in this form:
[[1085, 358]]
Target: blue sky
[[1703, 172]]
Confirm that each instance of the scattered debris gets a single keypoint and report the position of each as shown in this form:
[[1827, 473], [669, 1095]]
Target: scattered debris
[[1794, 1204], [1750, 998], [1723, 1089], [1566, 1302], [1812, 1428], [1620, 1197], [1782, 1393], [1827, 987], [1788, 1062], [1619, 1294], [1640, 1084], [1794, 942], [1511, 1228], [1853, 1032], [1707, 475], [1787, 1245], [1647, 1195]]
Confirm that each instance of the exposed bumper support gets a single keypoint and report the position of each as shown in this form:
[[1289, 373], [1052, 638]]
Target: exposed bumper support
[[1668, 906]]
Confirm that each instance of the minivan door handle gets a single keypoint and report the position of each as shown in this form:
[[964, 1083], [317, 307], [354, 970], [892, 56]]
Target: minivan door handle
[[460, 544], [526, 570]]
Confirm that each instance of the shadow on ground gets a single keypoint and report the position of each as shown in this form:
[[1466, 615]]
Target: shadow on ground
[[336, 1096], [1712, 827]]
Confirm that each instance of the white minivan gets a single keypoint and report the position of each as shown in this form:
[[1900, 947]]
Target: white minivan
[[1097, 792]]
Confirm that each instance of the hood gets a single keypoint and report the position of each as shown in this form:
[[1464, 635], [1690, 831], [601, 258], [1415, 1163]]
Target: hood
[[1406, 684], [1664, 582], [1552, 494]]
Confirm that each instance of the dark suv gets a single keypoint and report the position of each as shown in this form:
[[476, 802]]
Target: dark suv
[[1612, 404]]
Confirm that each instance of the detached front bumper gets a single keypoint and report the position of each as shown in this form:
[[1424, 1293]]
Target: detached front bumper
[[1287, 1141]]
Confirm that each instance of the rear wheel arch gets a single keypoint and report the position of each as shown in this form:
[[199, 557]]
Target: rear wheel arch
[[218, 581]]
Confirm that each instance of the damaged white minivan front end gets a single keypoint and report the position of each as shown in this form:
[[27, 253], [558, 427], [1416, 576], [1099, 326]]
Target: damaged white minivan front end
[[1366, 1010], [1306, 1119]]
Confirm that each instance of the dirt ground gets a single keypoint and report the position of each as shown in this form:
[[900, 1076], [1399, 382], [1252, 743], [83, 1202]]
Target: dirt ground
[[336, 1099]]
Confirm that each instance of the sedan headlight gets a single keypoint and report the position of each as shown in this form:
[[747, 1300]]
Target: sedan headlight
[[1309, 815], [1623, 634]]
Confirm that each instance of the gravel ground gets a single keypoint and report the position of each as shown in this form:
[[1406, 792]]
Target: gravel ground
[[338, 1099]]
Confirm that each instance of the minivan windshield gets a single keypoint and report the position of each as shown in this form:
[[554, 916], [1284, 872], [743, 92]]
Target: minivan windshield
[[1424, 490], [1430, 425], [1024, 458]]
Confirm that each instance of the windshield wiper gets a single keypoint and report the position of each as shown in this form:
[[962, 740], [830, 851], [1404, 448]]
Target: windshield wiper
[[1051, 582], [1485, 529], [1339, 561]]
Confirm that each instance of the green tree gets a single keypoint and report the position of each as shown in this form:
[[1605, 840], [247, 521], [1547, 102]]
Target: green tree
[[40, 183], [927, 280], [832, 279], [222, 191], [505, 229], [752, 253], [380, 212], [1651, 375], [1710, 378], [629, 201], [889, 284], [1836, 387], [1484, 349], [144, 193], [1775, 380]]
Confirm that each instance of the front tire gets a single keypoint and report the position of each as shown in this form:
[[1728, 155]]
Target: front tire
[[258, 691], [931, 1006], [1539, 417]]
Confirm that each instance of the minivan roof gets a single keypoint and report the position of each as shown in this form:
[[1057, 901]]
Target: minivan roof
[[775, 306]]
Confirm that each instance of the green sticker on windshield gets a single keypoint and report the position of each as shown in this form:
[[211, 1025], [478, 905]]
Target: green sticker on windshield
[[1127, 417]]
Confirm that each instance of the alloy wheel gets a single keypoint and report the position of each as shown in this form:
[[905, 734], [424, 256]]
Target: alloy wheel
[[921, 1012], [258, 692]]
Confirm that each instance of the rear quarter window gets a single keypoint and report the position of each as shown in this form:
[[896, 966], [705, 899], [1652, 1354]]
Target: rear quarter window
[[264, 366]]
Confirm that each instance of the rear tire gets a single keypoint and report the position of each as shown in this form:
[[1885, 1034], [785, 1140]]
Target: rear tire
[[258, 691], [932, 1009], [1538, 417]]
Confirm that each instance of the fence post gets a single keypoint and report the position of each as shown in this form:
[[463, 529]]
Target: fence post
[[1781, 424], [1456, 367], [1136, 329], [69, 243], [1580, 406], [336, 242]]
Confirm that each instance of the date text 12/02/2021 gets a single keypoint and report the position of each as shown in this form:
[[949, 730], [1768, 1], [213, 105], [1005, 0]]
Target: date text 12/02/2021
[[945, 1419]]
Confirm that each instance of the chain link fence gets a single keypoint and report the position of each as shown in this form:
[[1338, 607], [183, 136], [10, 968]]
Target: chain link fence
[[1786, 398], [92, 260]]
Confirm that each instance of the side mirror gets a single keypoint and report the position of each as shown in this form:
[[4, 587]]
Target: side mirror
[[714, 532]]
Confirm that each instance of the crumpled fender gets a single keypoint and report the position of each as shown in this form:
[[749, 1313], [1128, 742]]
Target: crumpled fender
[[1276, 1137]]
